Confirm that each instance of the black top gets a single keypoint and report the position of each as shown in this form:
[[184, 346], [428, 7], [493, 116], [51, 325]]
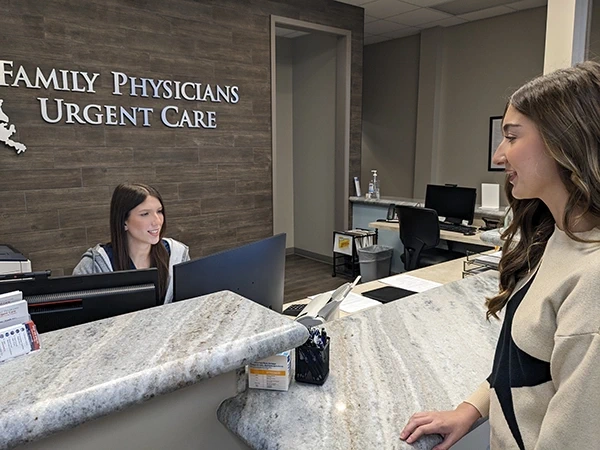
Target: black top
[[111, 255], [514, 368]]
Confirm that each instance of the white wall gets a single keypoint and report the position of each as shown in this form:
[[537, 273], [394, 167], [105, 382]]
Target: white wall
[[483, 63], [283, 167], [314, 103], [465, 75], [389, 119]]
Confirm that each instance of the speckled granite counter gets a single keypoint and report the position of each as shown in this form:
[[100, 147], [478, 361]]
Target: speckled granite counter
[[386, 201], [92, 370], [427, 351]]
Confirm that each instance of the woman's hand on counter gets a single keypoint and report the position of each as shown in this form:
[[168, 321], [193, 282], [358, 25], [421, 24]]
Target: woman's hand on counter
[[452, 425]]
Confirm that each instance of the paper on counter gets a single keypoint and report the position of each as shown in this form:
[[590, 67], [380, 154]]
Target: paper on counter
[[410, 283], [356, 302], [353, 302]]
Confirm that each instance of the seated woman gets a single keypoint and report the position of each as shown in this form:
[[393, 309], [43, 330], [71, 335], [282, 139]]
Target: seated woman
[[137, 227]]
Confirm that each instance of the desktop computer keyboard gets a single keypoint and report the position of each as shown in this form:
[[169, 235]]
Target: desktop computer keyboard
[[457, 228]]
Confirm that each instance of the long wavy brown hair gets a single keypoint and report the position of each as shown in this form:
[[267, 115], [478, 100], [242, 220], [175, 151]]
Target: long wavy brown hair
[[125, 197], [565, 107]]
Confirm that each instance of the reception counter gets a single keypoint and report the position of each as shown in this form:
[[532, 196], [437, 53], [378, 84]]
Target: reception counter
[[423, 352], [150, 380]]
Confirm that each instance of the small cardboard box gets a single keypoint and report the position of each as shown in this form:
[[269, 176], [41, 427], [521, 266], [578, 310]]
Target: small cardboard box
[[273, 373]]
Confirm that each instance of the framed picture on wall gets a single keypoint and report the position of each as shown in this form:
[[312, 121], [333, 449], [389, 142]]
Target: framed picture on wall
[[495, 139]]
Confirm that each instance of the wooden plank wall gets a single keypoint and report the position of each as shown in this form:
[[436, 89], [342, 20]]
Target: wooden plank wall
[[216, 184]]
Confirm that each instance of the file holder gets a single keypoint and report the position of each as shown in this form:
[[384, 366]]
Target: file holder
[[312, 363], [471, 266], [345, 250]]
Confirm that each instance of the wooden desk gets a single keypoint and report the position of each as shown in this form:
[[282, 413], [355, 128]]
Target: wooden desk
[[446, 235]]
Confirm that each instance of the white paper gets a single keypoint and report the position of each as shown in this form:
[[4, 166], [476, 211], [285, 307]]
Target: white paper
[[356, 302], [353, 302], [11, 297], [493, 259], [357, 186], [490, 196], [342, 243], [410, 283]]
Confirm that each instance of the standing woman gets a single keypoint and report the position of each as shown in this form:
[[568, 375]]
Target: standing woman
[[137, 226], [544, 389]]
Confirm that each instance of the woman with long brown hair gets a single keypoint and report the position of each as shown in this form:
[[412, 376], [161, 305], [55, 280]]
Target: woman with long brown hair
[[544, 388], [137, 227]]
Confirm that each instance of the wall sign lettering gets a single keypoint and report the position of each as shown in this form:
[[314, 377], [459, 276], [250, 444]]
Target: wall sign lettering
[[59, 111]]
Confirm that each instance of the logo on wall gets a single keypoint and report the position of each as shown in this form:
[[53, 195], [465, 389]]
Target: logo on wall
[[6, 131]]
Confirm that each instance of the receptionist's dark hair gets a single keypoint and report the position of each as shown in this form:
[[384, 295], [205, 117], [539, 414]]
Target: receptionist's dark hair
[[565, 107], [126, 197]]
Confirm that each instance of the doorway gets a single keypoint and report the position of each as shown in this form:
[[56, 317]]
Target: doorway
[[310, 98]]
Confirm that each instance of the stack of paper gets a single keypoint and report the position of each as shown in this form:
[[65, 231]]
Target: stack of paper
[[353, 302], [18, 335], [492, 260], [410, 283]]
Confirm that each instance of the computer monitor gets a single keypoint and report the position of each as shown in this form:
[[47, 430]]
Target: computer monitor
[[60, 302], [452, 202], [255, 271]]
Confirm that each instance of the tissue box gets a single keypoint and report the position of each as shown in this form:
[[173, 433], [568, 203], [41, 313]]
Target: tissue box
[[273, 373]]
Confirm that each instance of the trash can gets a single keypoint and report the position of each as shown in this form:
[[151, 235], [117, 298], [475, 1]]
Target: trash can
[[375, 262]]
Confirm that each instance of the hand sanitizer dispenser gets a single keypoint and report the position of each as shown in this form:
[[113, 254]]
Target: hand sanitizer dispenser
[[374, 186]]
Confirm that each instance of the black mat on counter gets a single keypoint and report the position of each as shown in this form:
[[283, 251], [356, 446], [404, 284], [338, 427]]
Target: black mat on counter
[[387, 294]]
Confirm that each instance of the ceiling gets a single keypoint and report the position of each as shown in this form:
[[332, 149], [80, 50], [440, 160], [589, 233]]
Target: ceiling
[[392, 19]]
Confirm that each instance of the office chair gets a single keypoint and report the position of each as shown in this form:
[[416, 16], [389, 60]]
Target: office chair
[[420, 234]]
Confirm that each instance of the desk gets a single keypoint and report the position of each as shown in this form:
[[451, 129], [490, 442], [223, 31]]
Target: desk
[[443, 273], [387, 362], [445, 235], [152, 379]]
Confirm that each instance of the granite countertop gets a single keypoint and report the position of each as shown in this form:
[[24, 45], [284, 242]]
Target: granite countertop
[[427, 351], [91, 370], [386, 201]]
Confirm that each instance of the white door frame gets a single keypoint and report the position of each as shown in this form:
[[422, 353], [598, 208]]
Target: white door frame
[[342, 108]]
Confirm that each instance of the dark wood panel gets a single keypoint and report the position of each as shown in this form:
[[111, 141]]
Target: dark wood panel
[[178, 173], [197, 171], [183, 209], [165, 155], [11, 202], [24, 222], [25, 180], [114, 176], [61, 260], [226, 155], [235, 219], [206, 189], [234, 202], [253, 187], [92, 157], [84, 216], [27, 241], [53, 199], [254, 172]]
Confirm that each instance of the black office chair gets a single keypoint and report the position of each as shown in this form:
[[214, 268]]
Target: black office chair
[[420, 234]]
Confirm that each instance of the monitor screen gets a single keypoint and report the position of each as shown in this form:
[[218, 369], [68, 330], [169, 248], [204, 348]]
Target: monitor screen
[[255, 271], [454, 203], [60, 302]]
